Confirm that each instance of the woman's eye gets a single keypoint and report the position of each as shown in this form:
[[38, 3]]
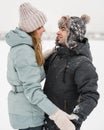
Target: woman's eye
[[39, 28]]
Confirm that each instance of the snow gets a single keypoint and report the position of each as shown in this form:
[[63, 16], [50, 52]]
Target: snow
[[93, 122]]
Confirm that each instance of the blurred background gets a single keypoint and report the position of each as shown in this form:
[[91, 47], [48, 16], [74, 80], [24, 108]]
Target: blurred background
[[9, 17], [9, 13]]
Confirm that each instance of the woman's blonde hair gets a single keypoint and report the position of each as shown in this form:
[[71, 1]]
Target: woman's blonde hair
[[37, 48]]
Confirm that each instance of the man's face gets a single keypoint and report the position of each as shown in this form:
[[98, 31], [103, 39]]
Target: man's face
[[62, 35]]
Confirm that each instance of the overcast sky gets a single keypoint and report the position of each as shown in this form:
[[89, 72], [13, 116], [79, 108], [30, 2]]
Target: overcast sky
[[54, 9]]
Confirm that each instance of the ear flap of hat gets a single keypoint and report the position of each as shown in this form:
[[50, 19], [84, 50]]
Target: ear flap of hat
[[85, 18]]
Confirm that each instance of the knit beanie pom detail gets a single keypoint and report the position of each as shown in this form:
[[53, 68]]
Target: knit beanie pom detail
[[85, 18]]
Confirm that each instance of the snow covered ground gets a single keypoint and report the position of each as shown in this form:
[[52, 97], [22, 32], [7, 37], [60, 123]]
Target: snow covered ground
[[93, 122]]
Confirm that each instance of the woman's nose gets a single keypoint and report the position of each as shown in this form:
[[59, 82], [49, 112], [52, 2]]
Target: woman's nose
[[44, 29]]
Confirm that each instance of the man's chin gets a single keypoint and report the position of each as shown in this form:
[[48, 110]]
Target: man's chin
[[60, 41]]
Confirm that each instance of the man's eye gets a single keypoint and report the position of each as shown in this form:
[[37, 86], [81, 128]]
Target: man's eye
[[63, 29]]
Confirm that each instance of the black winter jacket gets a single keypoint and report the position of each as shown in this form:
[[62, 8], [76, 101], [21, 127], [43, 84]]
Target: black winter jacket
[[71, 81]]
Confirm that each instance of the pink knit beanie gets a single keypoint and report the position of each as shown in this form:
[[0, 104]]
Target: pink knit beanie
[[30, 18]]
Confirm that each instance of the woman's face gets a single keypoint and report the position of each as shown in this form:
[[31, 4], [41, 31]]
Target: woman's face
[[62, 35], [40, 31]]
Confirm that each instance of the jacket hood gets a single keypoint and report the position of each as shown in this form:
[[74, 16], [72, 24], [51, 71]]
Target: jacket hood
[[81, 49], [17, 37]]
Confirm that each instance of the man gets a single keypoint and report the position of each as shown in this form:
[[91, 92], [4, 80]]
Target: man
[[71, 78]]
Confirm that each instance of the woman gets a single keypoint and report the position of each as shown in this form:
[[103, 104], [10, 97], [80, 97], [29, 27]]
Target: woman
[[26, 101]]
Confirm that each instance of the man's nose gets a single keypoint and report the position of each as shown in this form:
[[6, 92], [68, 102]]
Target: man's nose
[[58, 32]]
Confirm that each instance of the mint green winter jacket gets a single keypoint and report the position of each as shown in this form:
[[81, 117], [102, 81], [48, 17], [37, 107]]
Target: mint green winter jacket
[[26, 100]]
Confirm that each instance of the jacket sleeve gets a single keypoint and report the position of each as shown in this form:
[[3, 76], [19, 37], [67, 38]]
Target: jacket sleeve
[[86, 79], [29, 73]]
